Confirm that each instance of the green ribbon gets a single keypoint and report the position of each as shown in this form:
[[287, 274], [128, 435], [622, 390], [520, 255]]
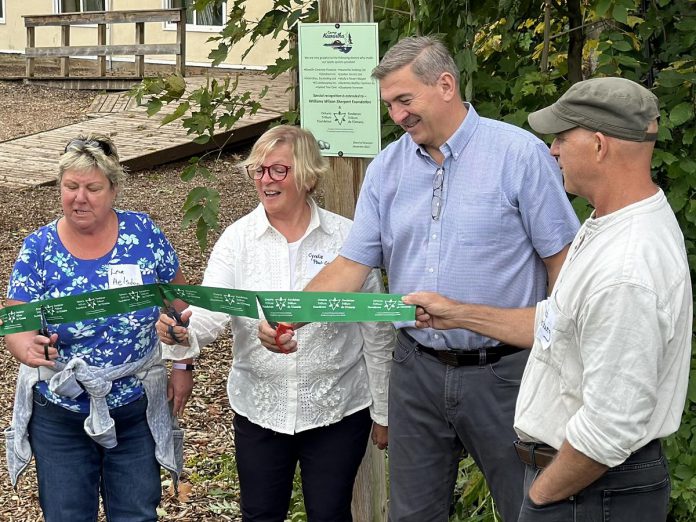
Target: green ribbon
[[292, 307]]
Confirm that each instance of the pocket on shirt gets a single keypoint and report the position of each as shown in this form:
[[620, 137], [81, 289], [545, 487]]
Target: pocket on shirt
[[561, 339], [480, 218]]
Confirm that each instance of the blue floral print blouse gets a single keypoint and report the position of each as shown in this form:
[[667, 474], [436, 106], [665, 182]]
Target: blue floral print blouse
[[45, 269]]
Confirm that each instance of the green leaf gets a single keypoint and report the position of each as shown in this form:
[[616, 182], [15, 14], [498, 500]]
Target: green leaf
[[202, 234], [620, 13], [202, 139], [191, 215], [681, 113], [622, 45], [178, 113], [189, 172], [153, 106], [219, 55], [602, 7]]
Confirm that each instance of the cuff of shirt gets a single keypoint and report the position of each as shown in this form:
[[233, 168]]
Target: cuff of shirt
[[592, 442], [177, 352]]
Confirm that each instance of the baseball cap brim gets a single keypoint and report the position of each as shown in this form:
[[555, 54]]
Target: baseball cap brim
[[547, 121]]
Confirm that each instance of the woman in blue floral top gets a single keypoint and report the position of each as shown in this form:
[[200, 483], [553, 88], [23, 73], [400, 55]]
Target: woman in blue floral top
[[111, 438]]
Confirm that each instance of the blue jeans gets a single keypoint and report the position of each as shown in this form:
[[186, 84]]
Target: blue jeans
[[72, 469], [637, 490]]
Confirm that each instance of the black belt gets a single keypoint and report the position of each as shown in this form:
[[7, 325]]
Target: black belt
[[534, 453], [468, 357]]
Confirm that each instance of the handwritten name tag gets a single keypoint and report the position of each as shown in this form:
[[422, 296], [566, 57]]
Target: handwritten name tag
[[317, 260], [121, 276], [543, 332]]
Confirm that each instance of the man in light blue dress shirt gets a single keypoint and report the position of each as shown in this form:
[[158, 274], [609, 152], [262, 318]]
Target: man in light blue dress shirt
[[474, 209]]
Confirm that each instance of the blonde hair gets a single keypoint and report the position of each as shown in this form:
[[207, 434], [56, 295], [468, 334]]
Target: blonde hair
[[309, 165], [85, 153]]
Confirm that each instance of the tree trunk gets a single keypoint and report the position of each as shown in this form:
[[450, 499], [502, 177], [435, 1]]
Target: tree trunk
[[576, 41], [341, 188]]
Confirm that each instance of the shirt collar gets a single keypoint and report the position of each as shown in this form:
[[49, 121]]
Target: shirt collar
[[263, 225], [455, 144]]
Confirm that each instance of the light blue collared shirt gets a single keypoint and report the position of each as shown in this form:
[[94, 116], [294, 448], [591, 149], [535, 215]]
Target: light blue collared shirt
[[503, 210]]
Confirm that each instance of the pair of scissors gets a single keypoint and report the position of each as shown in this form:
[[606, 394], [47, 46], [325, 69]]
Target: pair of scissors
[[45, 331], [174, 314], [280, 329]]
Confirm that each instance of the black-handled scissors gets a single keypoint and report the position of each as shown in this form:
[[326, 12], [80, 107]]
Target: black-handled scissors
[[45, 331], [174, 314]]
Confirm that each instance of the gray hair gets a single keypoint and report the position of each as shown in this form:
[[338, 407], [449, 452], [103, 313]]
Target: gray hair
[[427, 55], [85, 153]]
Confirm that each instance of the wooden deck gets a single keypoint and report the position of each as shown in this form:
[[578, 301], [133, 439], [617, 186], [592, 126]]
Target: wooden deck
[[142, 143]]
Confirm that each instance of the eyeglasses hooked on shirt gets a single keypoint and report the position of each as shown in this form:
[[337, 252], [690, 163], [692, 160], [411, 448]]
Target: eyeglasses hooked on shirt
[[436, 202]]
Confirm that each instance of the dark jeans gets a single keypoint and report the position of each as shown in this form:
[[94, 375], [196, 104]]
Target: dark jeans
[[72, 468], [329, 459], [635, 491], [436, 411]]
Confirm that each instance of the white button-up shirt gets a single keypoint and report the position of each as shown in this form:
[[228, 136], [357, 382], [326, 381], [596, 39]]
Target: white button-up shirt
[[338, 369]]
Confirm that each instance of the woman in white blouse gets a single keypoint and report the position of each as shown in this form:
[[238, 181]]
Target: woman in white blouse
[[316, 406]]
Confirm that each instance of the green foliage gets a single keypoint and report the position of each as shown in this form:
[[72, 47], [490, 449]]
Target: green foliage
[[473, 501]]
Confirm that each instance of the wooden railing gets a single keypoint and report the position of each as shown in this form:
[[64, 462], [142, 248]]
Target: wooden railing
[[101, 18]]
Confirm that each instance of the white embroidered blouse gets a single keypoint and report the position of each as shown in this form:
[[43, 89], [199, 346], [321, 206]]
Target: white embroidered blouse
[[338, 369]]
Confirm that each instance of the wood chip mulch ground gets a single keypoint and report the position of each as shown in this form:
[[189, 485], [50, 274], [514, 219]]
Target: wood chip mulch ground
[[210, 491]]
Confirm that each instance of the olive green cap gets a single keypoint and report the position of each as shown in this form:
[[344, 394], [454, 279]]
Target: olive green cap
[[613, 106]]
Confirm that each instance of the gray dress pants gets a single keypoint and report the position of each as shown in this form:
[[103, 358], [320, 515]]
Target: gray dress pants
[[436, 411]]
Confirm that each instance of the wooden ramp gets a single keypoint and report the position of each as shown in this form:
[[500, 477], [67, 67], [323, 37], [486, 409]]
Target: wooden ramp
[[142, 143]]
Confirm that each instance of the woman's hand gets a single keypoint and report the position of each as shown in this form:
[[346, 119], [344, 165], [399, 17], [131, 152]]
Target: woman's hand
[[179, 389], [32, 348], [166, 326], [380, 435], [283, 343]]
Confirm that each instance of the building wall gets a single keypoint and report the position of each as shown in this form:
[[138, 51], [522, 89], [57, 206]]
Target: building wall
[[13, 32]]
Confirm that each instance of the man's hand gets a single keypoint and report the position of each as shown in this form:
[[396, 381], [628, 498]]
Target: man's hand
[[165, 334], [283, 343], [433, 310], [380, 435], [179, 390]]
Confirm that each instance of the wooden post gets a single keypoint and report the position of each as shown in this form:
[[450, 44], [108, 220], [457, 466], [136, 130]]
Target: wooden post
[[140, 58], [341, 188], [31, 42], [101, 59], [64, 42], [181, 43]]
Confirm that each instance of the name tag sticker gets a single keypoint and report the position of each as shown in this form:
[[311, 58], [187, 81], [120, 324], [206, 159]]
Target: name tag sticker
[[121, 276], [543, 332], [318, 260]]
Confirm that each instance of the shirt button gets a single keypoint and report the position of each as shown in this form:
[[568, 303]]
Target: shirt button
[[436, 336], [434, 236], [456, 155], [431, 269]]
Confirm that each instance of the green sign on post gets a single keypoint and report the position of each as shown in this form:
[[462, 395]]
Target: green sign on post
[[339, 100]]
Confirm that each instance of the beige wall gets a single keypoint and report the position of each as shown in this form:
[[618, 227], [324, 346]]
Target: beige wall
[[13, 33]]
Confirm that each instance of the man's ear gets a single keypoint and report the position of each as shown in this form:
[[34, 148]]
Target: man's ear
[[447, 86], [601, 145]]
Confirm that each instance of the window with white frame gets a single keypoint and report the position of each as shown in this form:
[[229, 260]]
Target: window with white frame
[[214, 14], [2, 11], [80, 6]]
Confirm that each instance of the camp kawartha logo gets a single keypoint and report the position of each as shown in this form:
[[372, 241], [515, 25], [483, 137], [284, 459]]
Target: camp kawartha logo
[[338, 40]]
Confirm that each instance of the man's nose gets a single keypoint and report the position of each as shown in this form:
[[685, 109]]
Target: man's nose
[[398, 115]]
